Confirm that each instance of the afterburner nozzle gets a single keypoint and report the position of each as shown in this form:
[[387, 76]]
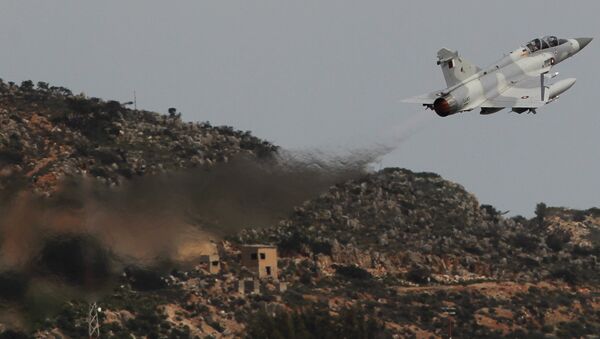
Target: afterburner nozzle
[[445, 106]]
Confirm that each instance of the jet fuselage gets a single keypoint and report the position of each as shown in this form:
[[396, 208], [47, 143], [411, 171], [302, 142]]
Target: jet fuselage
[[493, 81]]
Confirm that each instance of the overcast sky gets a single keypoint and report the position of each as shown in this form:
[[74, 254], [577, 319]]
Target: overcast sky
[[330, 75]]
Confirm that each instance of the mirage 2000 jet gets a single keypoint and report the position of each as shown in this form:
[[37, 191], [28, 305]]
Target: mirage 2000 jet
[[517, 80]]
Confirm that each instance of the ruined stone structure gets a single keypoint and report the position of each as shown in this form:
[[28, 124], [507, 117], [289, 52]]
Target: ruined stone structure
[[260, 259], [211, 263]]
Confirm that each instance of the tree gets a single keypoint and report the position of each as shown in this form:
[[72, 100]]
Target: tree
[[27, 85], [540, 214], [43, 85]]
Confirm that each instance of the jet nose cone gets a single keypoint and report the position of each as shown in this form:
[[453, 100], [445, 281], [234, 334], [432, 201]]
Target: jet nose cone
[[583, 42]]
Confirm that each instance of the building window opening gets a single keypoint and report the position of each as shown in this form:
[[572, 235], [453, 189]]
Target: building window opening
[[268, 268], [253, 256], [262, 256]]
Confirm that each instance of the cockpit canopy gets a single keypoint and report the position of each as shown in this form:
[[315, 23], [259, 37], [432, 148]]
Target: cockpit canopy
[[543, 43]]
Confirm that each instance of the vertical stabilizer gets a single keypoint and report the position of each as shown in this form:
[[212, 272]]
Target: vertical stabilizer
[[455, 68]]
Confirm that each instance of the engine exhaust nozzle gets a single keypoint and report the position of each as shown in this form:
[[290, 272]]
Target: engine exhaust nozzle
[[445, 106]]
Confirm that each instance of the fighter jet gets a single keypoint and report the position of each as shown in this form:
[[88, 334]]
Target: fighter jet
[[518, 80]]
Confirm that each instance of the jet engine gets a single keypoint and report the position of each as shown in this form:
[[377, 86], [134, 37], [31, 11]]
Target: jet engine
[[445, 106]]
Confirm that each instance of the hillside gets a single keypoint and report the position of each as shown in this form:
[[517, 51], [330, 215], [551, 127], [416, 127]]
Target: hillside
[[395, 221], [47, 133], [394, 253], [377, 255], [408, 246]]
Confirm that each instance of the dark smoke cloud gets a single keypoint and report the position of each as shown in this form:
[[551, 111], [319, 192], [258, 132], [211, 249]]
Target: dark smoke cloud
[[86, 233], [75, 243]]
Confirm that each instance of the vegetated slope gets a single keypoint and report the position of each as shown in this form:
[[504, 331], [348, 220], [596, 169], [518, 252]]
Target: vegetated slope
[[47, 133], [420, 226], [394, 252], [418, 251]]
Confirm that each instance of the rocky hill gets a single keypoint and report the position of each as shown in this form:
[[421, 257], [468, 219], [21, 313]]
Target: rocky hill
[[421, 226], [47, 133], [410, 246], [391, 254]]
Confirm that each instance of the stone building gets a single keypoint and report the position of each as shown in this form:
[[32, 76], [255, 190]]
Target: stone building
[[260, 259], [211, 263]]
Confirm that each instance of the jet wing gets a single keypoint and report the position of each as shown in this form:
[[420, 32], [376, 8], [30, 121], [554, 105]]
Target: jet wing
[[527, 93], [425, 99]]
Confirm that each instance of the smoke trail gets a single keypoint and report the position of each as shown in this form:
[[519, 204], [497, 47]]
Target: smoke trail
[[409, 127], [388, 139], [85, 234], [394, 136]]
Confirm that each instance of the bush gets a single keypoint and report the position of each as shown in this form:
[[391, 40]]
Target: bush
[[292, 245], [540, 214], [316, 323], [27, 85], [492, 212], [147, 322], [321, 247], [594, 212], [557, 240], [579, 216], [352, 272], [570, 274], [519, 219], [572, 329], [526, 241], [12, 151], [418, 274]]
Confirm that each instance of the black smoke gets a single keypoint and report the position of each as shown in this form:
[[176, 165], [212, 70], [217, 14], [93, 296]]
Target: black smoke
[[85, 234]]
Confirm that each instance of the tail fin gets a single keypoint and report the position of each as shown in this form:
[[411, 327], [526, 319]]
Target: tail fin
[[455, 68]]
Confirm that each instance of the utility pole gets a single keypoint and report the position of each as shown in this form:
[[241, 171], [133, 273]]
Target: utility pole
[[93, 324], [134, 101]]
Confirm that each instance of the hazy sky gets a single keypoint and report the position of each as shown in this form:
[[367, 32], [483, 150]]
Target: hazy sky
[[330, 74]]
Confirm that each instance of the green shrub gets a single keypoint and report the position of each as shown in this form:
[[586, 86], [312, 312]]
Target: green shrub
[[557, 240], [418, 274], [526, 241], [352, 272], [316, 323]]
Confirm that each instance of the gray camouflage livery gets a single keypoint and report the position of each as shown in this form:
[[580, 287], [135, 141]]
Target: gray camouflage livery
[[516, 80]]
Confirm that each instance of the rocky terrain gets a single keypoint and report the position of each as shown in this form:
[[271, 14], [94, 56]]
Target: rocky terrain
[[418, 224], [47, 133], [376, 257], [397, 240], [392, 254]]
